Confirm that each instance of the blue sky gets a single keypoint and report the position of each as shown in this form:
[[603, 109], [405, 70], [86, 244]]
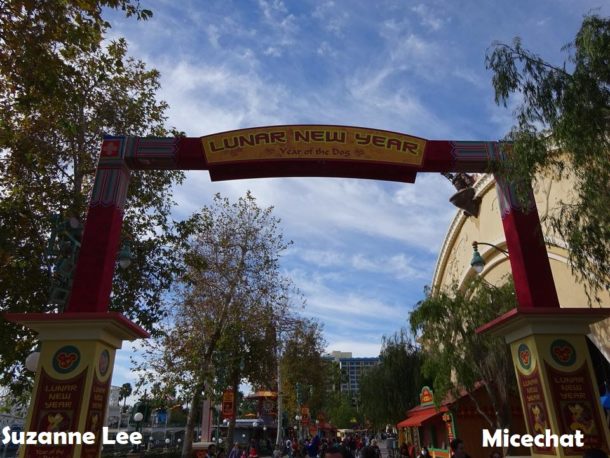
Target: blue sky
[[363, 250]]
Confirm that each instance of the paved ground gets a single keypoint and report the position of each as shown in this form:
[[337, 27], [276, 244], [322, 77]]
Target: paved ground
[[383, 446]]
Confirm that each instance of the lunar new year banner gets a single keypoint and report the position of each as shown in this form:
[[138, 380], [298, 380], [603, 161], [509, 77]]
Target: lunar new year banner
[[313, 142], [57, 408], [572, 392], [537, 417], [95, 416]]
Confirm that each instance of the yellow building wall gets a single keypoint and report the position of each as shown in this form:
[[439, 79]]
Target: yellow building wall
[[453, 265]]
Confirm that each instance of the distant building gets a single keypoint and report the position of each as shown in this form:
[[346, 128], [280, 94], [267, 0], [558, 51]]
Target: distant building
[[352, 370], [338, 355]]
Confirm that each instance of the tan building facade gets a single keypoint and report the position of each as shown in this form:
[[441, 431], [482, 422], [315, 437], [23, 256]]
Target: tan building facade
[[453, 265]]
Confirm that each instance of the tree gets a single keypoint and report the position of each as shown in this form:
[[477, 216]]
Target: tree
[[124, 392], [342, 414], [455, 356], [37, 37], [392, 387], [302, 364], [51, 126], [230, 278], [563, 127], [247, 351]]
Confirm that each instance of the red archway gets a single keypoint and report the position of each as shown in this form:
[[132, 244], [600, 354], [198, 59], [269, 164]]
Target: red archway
[[87, 328], [289, 151]]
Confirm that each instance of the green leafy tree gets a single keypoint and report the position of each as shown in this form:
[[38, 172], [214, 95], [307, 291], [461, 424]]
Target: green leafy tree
[[60, 92], [392, 387], [230, 278], [247, 406], [342, 413], [302, 363], [124, 392], [246, 351], [50, 149], [37, 38], [455, 356], [563, 129]]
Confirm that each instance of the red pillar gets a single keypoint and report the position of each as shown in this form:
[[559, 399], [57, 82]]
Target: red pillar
[[101, 237], [534, 285]]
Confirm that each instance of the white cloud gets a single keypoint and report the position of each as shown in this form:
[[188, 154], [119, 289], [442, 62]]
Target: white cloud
[[326, 50], [205, 99], [471, 76], [213, 35], [283, 25], [391, 97], [331, 17], [350, 306], [399, 266], [356, 346], [271, 8], [331, 210], [429, 19], [273, 51]]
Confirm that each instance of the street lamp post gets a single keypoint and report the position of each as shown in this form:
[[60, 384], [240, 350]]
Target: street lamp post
[[298, 420], [31, 362], [254, 425], [138, 417], [478, 263]]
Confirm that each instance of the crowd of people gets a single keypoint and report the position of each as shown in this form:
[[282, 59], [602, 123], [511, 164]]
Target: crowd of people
[[351, 446], [354, 446]]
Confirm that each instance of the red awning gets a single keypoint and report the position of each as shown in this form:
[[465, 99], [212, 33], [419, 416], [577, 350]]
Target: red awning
[[417, 420]]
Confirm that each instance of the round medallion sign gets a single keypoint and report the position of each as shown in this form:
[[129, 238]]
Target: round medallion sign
[[525, 356], [563, 352], [104, 362], [66, 359]]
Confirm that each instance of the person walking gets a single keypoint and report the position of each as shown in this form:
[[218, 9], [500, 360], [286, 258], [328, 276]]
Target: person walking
[[425, 453], [313, 448], [235, 451], [288, 448], [375, 448], [252, 452], [458, 449]]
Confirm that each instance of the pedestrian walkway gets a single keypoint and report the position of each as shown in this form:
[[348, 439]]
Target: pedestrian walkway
[[383, 447]]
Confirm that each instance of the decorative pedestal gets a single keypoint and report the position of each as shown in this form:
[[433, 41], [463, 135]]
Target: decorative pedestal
[[554, 374], [73, 376]]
